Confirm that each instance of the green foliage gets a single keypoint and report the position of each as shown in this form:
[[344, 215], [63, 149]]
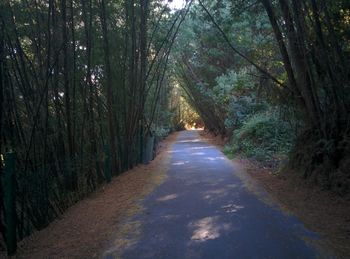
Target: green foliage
[[221, 86], [236, 92], [78, 78], [262, 136], [162, 132]]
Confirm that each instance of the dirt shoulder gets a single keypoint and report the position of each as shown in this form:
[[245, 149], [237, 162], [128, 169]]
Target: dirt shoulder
[[320, 210], [86, 228]]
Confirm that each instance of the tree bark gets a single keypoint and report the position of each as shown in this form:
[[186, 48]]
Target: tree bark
[[109, 83]]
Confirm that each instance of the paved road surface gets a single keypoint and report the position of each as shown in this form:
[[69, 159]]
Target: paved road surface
[[203, 210]]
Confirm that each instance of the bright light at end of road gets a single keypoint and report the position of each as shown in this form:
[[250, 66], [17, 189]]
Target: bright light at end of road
[[175, 4]]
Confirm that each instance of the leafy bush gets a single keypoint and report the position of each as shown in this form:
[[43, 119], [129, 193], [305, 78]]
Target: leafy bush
[[239, 109], [262, 136], [162, 132], [235, 91]]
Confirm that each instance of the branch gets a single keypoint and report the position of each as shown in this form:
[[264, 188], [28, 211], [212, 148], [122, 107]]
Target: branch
[[262, 70]]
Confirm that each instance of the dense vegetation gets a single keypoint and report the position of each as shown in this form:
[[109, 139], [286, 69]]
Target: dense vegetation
[[273, 75], [83, 91], [86, 85]]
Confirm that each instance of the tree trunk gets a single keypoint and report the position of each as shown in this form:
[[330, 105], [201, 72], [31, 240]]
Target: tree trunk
[[109, 82]]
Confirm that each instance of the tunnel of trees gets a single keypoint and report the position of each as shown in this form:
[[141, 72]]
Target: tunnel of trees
[[86, 84]]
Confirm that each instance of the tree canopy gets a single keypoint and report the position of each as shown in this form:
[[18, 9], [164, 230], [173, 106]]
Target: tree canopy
[[86, 85]]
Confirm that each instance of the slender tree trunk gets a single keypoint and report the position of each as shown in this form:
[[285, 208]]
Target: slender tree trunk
[[334, 82], [74, 79], [66, 84], [283, 49], [302, 75], [109, 82], [2, 89]]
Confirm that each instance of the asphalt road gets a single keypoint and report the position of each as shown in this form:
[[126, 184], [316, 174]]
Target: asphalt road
[[204, 209]]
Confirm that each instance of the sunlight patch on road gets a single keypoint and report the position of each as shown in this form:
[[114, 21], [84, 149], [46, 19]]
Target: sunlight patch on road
[[198, 148], [168, 197], [173, 151], [215, 194], [180, 163], [217, 191], [189, 141], [215, 158], [232, 208], [128, 230], [208, 228], [198, 154]]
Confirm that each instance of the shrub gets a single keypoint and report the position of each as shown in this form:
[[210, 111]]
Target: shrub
[[263, 136]]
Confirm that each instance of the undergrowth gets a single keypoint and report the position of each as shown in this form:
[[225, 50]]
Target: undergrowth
[[263, 136]]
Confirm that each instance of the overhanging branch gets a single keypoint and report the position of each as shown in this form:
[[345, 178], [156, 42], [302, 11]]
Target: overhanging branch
[[262, 70]]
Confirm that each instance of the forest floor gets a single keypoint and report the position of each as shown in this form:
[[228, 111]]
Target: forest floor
[[83, 230], [320, 210]]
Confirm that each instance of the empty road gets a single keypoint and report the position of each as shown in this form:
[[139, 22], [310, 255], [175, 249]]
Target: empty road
[[204, 209]]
